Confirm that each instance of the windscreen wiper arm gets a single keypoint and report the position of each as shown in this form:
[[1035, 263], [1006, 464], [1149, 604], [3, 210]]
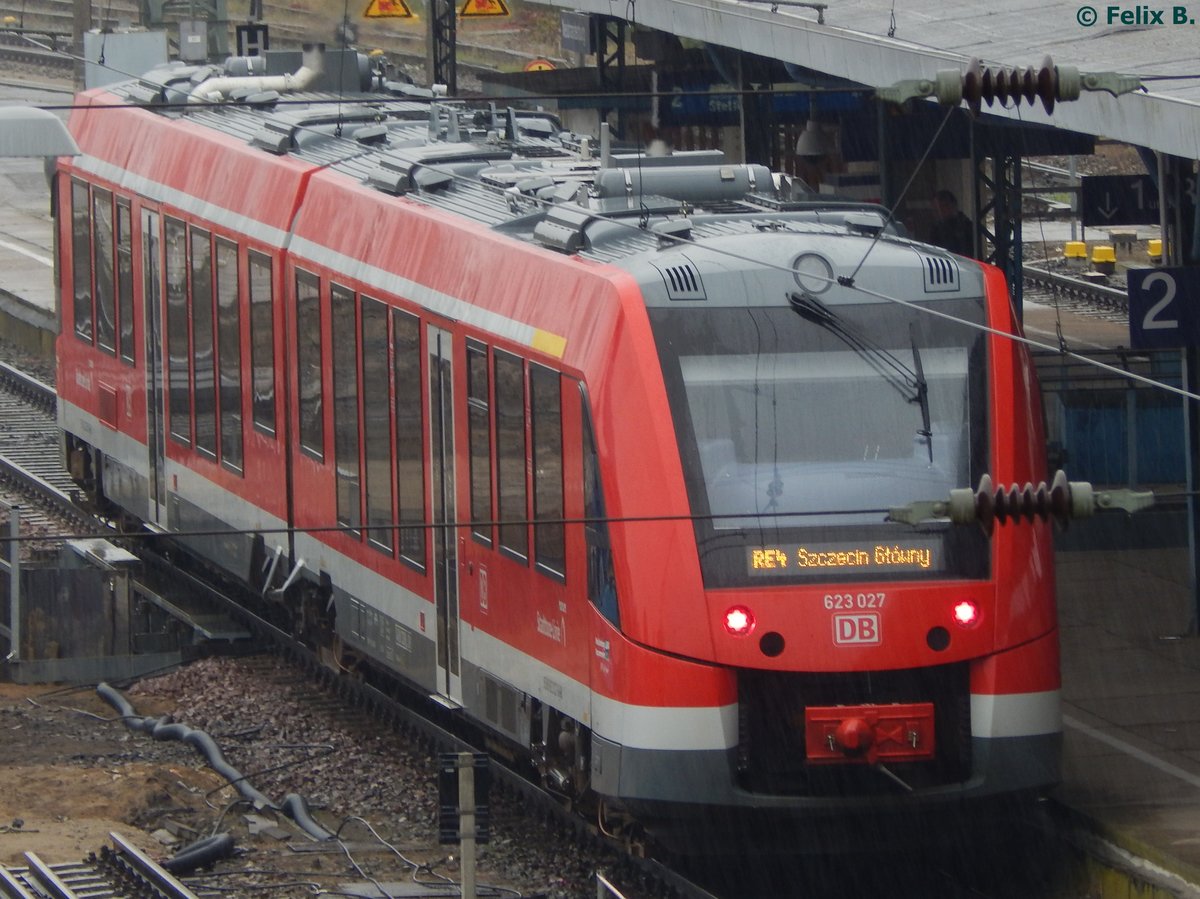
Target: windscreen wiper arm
[[910, 384], [922, 396]]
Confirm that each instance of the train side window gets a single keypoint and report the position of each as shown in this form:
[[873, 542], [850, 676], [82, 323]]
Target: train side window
[[410, 437], [377, 424], [480, 438], [203, 362], [262, 342], [179, 396], [309, 362], [102, 259], [509, 373], [229, 354], [545, 404], [81, 260], [345, 406], [602, 582], [125, 280]]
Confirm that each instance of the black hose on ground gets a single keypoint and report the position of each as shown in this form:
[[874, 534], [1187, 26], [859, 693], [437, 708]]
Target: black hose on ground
[[199, 854], [162, 728]]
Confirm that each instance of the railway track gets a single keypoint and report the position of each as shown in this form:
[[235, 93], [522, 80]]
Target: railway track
[[350, 697], [21, 51], [1050, 288], [117, 872], [362, 695], [31, 466], [41, 34]]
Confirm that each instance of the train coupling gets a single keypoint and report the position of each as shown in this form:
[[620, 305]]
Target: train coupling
[[869, 734]]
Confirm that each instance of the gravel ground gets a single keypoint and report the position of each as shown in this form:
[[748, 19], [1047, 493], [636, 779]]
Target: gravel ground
[[71, 772]]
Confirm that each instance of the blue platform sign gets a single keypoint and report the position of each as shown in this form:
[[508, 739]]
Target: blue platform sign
[[1108, 200], [1164, 308], [1118, 200]]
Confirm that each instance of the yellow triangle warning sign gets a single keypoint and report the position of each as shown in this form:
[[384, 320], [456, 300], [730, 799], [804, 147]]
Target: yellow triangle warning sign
[[388, 9], [483, 8]]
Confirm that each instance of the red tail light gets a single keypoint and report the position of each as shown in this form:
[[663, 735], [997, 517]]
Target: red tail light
[[739, 621], [966, 613]]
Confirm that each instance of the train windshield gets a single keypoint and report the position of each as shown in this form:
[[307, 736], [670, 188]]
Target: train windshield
[[800, 426]]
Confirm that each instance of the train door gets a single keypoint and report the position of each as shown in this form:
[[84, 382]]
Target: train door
[[445, 547], [155, 408]]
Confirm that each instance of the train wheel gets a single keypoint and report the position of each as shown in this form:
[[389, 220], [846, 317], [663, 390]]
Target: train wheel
[[338, 657], [621, 827]]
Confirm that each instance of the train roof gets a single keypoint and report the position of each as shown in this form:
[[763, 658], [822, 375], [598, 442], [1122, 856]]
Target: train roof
[[515, 171]]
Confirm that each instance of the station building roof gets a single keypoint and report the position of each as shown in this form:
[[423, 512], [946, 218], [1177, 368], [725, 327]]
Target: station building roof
[[859, 40]]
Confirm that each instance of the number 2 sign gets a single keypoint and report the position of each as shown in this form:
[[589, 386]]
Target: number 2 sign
[[1164, 307]]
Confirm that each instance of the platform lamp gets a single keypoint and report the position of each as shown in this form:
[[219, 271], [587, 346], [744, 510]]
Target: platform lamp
[[813, 141], [29, 131]]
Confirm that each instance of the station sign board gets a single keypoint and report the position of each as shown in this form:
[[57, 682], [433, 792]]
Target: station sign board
[[1164, 308], [576, 32], [1106, 200], [1118, 200]]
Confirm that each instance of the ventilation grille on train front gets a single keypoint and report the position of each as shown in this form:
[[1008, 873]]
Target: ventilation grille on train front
[[682, 281], [941, 274]]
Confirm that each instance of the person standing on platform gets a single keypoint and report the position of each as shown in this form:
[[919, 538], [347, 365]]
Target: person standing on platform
[[952, 230]]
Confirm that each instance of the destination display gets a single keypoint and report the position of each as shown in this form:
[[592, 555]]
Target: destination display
[[782, 560]]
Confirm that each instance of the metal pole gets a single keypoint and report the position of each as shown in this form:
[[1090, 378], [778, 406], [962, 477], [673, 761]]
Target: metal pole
[[466, 822], [1163, 205], [1191, 362], [81, 24], [885, 190], [14, 582], [1074, 196], [741, 83], [1171, 255]]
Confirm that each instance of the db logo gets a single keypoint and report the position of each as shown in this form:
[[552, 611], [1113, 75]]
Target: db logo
[[857, 630]]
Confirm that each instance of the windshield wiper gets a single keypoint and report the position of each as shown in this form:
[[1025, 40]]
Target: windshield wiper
[[909, 383], [922, 396]]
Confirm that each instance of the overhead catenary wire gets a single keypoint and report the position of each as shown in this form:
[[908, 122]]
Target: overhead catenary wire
[[1055, 289], [475, 524], [438, 525], [849, 283], [844, 281]]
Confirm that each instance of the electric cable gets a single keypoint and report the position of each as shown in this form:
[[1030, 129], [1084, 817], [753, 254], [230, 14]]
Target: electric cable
[[767, 264], [1055, 288]]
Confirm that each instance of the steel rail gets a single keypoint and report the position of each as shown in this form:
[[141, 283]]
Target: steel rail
[[148, 870], [36, 391], [429, 721], [120, 872], [47, 880], [1108, 297]]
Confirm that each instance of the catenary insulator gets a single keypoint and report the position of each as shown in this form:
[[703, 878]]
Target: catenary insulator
[[981, 84], [989, 84], [1060, 501]]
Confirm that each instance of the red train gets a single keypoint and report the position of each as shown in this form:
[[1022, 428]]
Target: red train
[[596, 448]]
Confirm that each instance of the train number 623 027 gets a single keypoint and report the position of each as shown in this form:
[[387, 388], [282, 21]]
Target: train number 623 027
[[854, 600]]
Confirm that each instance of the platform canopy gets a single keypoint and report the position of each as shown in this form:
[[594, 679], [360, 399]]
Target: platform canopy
[[27, 131], [878, 43]]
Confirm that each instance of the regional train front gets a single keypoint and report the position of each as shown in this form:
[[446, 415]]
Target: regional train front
[[817, 377]]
